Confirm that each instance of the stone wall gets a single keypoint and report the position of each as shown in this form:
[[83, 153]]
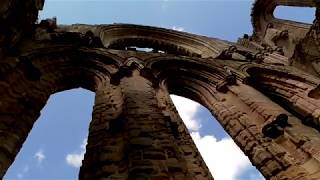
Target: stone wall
[[264, 93]]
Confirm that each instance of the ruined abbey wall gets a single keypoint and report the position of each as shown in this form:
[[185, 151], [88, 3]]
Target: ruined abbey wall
[[264, 91]]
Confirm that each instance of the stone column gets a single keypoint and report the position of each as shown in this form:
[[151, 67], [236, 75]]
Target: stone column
[[136, 140], [194, 161], [20, 106], [106, 151], [14, 129], [154, 152]]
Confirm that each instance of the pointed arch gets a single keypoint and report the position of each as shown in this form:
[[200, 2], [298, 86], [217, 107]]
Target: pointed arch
[[121, 36], [262, 15], [30, 79]]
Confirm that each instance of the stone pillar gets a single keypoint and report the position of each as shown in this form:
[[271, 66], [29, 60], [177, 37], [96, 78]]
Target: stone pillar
[[20, 105], [194, 161], [14, 129], [136, 140], [106, 155], [154, 152]]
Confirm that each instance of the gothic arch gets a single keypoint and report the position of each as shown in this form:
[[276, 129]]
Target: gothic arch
[[262, 15], [136, 131], [120, 36], [28, 81], [202, 84], [278, 33], [248, 116]]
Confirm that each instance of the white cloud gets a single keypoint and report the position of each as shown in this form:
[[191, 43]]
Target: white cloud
[[75, 159], [39, 155], [187, 110], [224, 159], [178, 28]]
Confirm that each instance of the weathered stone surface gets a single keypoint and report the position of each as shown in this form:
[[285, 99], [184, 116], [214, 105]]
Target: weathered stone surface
[[264, 91]]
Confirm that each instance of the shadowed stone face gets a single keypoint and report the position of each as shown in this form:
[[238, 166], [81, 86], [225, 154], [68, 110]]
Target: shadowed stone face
[[263, 90]]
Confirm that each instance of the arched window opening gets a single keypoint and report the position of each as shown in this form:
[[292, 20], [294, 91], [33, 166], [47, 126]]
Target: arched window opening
[[147, 45], [134, 48], [297, 14], [222, 156], [146, 49], [55, 146]]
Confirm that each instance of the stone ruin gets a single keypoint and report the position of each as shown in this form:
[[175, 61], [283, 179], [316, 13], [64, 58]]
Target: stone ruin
[[264, 90]]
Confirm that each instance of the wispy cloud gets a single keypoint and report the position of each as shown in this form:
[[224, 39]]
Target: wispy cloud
[[39, 155], [23, 172], [75, 159], [178, 28]]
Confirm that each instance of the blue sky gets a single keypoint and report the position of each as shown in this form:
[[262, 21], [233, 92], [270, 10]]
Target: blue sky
[[54, 148]]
